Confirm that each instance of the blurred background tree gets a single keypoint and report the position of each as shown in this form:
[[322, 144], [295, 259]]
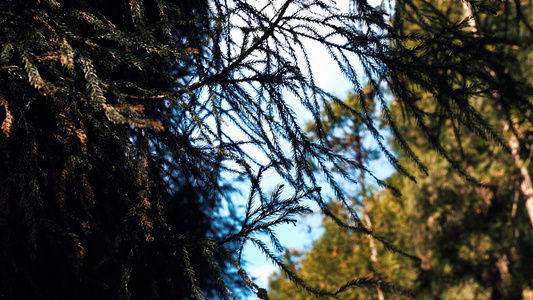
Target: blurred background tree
[[473, 239]]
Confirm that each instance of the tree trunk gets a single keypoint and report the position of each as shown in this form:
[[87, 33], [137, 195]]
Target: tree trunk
[[366, 212], [526, 185]]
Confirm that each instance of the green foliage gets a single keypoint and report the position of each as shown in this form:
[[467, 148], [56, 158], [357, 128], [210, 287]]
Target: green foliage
[[338, 255], [473, 241], [101, 191], [469, 228], [116, 151], [350, 252]]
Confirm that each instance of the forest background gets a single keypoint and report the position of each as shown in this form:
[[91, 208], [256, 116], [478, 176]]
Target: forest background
[[119, 171], [474, 242]]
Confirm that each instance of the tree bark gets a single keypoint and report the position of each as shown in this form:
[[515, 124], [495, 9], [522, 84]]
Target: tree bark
[[366, 212], [526, 185]]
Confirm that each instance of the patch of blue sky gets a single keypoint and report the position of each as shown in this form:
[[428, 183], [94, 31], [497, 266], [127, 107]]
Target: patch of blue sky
[[328, 76]]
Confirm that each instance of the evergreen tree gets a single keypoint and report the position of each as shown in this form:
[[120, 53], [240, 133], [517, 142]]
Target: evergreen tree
[[343, 253], [347, 136], [101, 190], [472, 239], [115, 133]]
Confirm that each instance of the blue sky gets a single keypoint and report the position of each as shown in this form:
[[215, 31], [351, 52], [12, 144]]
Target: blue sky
[[329, 77]]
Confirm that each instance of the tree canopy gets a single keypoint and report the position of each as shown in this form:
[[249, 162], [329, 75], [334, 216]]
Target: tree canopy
[[116, 152], [473, 240]]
